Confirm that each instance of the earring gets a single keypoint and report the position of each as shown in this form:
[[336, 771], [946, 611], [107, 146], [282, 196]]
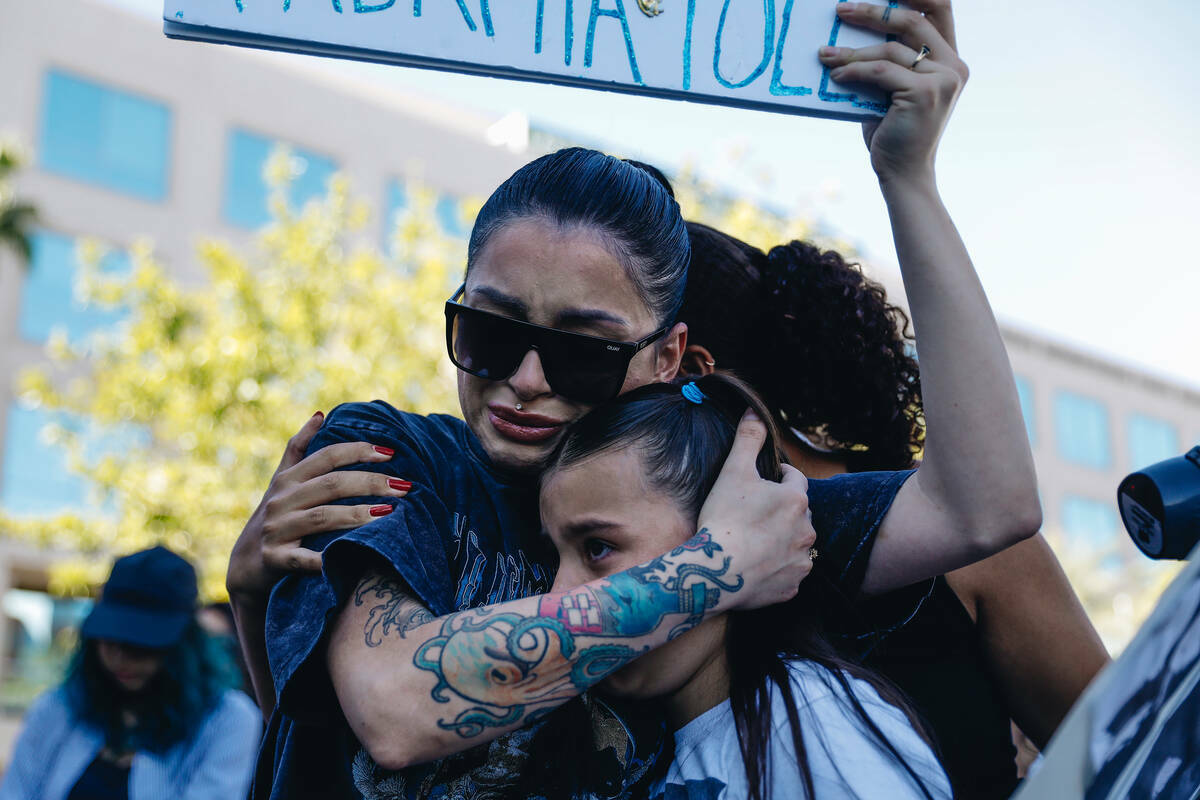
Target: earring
[[518, 406]]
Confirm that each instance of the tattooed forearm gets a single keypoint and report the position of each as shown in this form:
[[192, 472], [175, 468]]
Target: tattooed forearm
[[505, 664], [391, 609]]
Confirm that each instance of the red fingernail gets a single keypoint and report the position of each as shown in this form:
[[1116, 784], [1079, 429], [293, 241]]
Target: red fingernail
[[399, 485], [380, 511], [387, 451], [319, 414]]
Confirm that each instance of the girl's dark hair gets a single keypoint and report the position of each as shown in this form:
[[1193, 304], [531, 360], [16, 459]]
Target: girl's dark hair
[[816, 337], [635, 214], [194, 674], [683, 446]]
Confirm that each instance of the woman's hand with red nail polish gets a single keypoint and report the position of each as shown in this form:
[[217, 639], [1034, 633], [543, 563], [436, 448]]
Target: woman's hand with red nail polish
[[299, 503]]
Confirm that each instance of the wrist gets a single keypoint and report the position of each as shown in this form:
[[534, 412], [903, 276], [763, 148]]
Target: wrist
[[893, 177], [249, 600]]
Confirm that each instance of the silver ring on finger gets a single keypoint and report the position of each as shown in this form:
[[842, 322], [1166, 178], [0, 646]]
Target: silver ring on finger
[[921, 56]]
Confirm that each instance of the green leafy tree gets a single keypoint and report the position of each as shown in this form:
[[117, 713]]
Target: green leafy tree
[[17, 218], [190, 400]]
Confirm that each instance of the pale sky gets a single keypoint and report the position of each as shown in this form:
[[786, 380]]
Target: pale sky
[[1070, 165]]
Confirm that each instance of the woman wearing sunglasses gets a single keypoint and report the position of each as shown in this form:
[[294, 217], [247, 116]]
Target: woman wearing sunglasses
[[576, 268]]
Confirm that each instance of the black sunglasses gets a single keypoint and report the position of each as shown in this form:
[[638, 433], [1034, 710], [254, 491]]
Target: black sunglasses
[[587, 369]]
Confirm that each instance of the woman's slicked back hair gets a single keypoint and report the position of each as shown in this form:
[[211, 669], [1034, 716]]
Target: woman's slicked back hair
[[624, 203]]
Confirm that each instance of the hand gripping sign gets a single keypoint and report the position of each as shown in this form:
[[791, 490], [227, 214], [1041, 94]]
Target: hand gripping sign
[[751, 53]]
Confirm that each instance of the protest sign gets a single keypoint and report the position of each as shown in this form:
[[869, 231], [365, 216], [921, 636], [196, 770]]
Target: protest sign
[[1135, 732], [751, 53]]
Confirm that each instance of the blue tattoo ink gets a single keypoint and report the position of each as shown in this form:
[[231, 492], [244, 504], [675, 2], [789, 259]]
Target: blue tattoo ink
[[619, 14], [361, 8], [778, 87], [768, 46], [687, 46]]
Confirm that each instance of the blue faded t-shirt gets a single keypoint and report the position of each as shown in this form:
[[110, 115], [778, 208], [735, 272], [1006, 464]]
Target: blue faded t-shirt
[[465, 536]]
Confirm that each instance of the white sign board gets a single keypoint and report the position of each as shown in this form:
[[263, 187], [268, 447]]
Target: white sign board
[[1135, 732], [752, 53]]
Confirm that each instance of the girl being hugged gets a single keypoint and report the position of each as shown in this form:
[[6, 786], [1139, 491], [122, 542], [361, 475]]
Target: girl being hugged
[[760, 703]]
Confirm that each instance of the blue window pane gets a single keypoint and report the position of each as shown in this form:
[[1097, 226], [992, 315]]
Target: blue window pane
[[1151, 440], [36, 478], [48, 298], [396, 200], [1081, 427], [246, 191], [1089, 523], [450, 217], [1025, 395], [105, 136]]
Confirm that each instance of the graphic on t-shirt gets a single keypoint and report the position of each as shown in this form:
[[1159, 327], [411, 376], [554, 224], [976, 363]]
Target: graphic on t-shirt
[[508, 576], [707, 789]]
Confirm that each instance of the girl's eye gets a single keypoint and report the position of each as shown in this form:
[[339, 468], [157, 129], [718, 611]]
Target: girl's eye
[[596, 549]]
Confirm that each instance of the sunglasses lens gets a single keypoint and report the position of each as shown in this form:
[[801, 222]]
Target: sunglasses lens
[[583, 370], [486, 345], [577, 367]]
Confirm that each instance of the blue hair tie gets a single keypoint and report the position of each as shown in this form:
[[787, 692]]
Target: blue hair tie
[[692, 392]]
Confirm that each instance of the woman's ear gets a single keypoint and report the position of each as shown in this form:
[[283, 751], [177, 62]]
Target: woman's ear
[[697, 361], [670, 352]]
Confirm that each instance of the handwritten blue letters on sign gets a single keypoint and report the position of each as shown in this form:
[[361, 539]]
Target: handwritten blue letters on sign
[[763, 52]]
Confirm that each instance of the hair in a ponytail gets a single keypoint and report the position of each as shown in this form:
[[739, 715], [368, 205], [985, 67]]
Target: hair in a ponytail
[[816, 337]]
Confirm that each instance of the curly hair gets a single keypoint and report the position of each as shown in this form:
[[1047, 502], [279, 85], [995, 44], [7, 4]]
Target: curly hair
[[195, 673], [816, 337]]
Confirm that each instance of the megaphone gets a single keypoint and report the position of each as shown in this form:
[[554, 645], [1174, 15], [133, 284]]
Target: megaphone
[[1160, 506]]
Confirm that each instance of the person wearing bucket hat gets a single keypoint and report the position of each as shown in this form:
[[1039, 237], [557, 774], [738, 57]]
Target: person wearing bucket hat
[[148, 601], [146, 709]]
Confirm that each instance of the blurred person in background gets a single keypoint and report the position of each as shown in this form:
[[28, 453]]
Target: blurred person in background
[[146, 710], [217, 621]]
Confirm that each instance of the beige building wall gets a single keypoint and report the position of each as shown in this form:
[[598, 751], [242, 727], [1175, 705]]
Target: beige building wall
[[1051, 368]]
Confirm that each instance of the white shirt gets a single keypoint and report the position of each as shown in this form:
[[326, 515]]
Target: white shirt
[[845, 759]]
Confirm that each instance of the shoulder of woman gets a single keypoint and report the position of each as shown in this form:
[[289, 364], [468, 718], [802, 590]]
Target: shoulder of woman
[[234, 708], [841, 749], [378, 415], [815, 686], [50, 706]]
